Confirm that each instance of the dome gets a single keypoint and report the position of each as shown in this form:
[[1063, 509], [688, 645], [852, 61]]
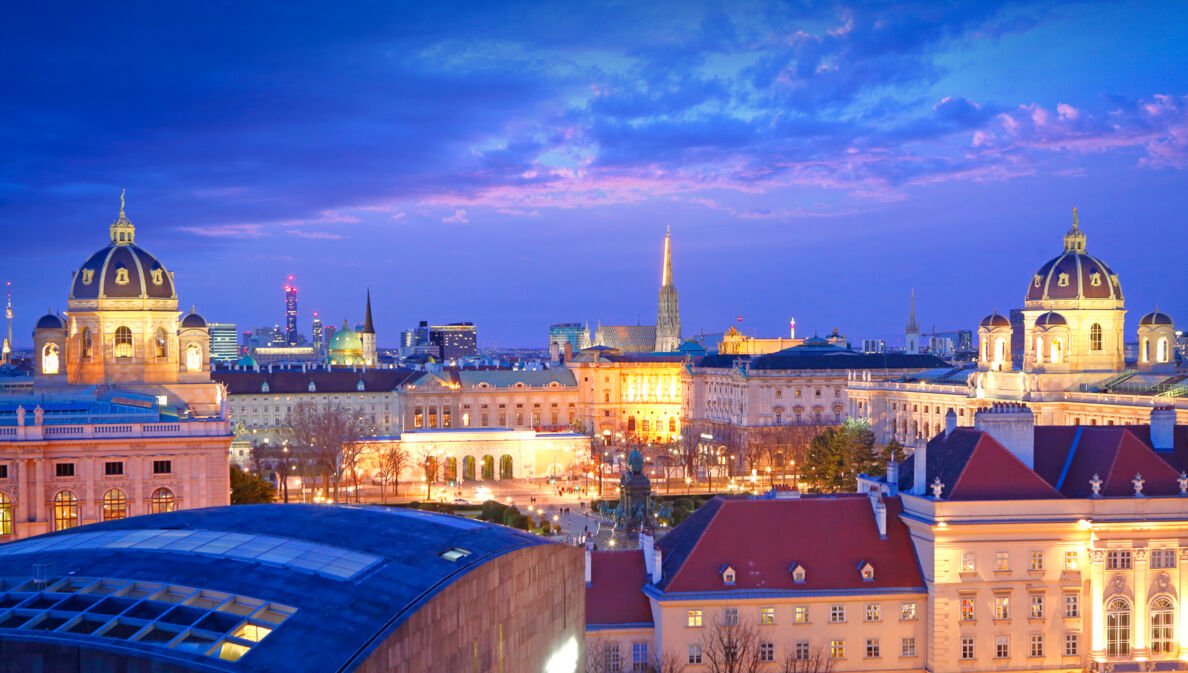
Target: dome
[[345, 339], [247, 361], [192, 319], [1074, 275], [122, 270], [1050, 319], [995, 320], [50, 321], [1156, 318]]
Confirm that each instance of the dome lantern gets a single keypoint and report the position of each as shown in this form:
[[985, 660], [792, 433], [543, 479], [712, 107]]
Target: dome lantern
[[1074, 240], [122, 230]]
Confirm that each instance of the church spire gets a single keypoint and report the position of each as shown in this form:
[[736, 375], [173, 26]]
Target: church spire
[[666, 274], [668, 315], [368, 327], [911, 323]]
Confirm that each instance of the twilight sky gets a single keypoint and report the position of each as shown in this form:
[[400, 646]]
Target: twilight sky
[[515, 164]]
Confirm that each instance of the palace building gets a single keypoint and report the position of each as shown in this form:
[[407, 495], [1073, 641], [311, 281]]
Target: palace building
[[1071, 370], [123, 418]]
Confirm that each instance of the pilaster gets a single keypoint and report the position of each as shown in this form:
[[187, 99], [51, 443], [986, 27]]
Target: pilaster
[[1142, 626], [1096, 603]]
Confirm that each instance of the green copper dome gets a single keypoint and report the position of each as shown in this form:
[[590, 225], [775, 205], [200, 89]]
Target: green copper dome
[[346, 339]]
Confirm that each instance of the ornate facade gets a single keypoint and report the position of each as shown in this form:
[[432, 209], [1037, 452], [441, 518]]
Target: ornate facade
[[628, 396]]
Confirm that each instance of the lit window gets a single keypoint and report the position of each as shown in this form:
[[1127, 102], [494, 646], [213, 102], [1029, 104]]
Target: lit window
[[802, 614], [1002, 561], [907, 646], [1037, 607], [194, 358], [837, 613], [837, 649], [1037, 645], [767, 615], [907, 611], [49, 359], [968, 562], [967, 609], [1002, 607], [123, 342], [162, 501], [65, 510], [873, 613], [161, 343], [967, 648], [1070, 560], [694, 618], [6, 514], [1002, 647], [1072, 605], [1037, 560], [115, 505]]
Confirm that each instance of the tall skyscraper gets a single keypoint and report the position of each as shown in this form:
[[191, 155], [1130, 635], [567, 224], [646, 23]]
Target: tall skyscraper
[[291, 313], [317, 333], [367, 335], [911, 343], [668, 316], [224, 341], [8, 345]]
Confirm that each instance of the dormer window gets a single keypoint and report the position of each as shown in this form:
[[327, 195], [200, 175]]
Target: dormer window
[[264, 387], [359, 386], [312, 388], [798, 574], [727, 575], [866, 570]]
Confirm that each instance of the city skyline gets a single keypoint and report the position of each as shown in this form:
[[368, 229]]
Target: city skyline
[[943, 155]]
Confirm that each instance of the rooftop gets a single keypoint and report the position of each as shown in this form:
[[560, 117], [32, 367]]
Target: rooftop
[[340, 380]]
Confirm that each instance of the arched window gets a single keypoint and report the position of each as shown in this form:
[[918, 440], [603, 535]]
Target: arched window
[[1118, 628], [162, 501], [194, 359], [1145, 350], [115, 505], [999, 351], [1095, 337], [49, 359], [505, 467], [985, 352], [1039, 350], [1163, 625], [6, 515], [161, 343], [1161, 350], [87, 345], [65, 510], [1057, 350], [123, 342]]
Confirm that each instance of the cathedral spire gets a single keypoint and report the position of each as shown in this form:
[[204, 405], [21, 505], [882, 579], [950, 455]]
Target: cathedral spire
[[368, 327], [668, 315], [666, 274], [912, 326]]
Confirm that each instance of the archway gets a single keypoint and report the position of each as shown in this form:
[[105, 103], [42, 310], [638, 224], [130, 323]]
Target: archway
[[468, 468], [49, 359], [505, 467], [193, 357], [631, 424], [451, 469], [1161, 350], [1118, 628], [488, 467]]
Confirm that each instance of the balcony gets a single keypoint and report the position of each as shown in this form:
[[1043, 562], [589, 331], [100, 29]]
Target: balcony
[[187, 428]]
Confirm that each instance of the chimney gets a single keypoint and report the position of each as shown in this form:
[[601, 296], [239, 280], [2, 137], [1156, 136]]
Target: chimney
[[1163, 427], [1013, 426], [646, 545], [950, 422], [568, 351], [892, 476], [656, 566], [880, 514], [920, 471], [589, 565]]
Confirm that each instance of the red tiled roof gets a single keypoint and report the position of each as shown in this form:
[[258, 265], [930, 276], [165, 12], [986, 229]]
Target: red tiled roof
[[761, 539], [993, 473], [1113, 452], [615, 594]]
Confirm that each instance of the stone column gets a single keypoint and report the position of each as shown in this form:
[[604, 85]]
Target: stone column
[[1182, 617], [24, 493], [1141, 625], [40, 496], [1097, 604]]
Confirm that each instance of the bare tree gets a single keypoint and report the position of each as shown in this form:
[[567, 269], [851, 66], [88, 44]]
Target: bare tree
[[331, 438], [667, 662], [392, 458], [815, 661], [599, 652], [426, 459], [730, 645]]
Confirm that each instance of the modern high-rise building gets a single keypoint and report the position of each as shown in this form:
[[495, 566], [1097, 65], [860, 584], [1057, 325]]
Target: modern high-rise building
[[224, 342], [573, 333], [328, 333], [317, 333], [290, 313], [668, 314], [455, 340]]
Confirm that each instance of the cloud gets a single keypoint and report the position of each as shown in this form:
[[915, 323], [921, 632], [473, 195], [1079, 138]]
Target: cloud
[[318, 235], [459, 217], [398, 216], [227, 230]]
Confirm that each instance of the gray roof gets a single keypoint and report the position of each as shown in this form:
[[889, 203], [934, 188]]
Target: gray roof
[[331, 582], [628, 338]]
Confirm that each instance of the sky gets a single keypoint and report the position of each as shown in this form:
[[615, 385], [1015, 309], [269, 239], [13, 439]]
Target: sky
[[516, 164]]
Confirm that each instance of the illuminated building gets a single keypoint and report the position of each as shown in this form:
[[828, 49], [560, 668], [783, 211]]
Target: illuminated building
[[573, 333], [664, 336], [123, 418], [455, 340], [290, 313], [1071, 369], [736, 343], [481, 398], [631, 396], [316, 330], [298, 588], [8, 347], [224, 342]]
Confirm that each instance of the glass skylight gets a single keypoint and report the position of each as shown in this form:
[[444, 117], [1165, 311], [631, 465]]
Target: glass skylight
[[299, 555], [184, 619]]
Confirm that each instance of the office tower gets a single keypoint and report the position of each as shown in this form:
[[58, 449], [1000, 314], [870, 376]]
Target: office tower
[[291, 313], [455, 340], [224, 346], [573, 333], [317, 333], [328, 332]]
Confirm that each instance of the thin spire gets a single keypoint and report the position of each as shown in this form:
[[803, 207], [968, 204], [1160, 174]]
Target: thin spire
[[666, 276], [368, 327], [911, 323], [122, 193]]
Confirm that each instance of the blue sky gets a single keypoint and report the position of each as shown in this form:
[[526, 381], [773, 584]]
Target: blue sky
[[515, 164]]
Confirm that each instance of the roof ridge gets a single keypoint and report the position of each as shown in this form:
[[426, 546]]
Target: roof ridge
[[667, 578]]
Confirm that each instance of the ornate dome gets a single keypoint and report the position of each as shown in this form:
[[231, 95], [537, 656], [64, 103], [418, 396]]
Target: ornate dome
[[246, 361], [122, 270], [1156, 318], [995, 320], [1050, 319], [50, 321], [345, 339], [192, 319], [1074, 275]]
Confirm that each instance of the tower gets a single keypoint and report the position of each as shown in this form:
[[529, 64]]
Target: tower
[[368, 335], [317, 333], [911, 341], [290, 313], [668, 317], [8, 346]]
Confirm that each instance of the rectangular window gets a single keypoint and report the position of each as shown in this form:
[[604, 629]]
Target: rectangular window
[[433, 417], [1037, 645], [802, 614], [162, 467], [1072, 605], [872, 648], [967, 648], [907, 646], [873, 612], [1072, 644], [730, 616], [113, 468], [503, 419], [1002, 647], [519, 419], [1037, 607], [907, 611], [767, 615], [466, 419], [614, 661], [446, 415], [801, 651], [837, 613], [1118, 559], [694, 654], [967, 609], [968, 562], [1002, 562], [694, 618], [837, 649], [1002, 607], [3, 471], [639, 657], [1163, 558], [64, 469], [483, 420], [766, 651], [418, 418], [1037, 560]]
